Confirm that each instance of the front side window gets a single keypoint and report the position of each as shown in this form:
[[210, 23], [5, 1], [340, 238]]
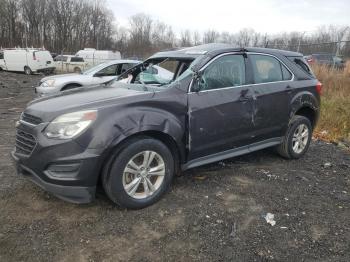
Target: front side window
[[125, 67], [226, 71]]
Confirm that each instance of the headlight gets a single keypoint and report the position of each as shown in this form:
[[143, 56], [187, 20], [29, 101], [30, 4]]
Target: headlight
[[48, 83], [70, 125]]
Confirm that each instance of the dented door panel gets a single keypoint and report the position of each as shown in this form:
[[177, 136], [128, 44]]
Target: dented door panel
[[219, 120]]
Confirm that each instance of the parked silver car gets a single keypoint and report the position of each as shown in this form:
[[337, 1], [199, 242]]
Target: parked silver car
[[97, 75]]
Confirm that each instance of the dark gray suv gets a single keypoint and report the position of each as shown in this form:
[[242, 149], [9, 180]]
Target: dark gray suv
[[134, 134]]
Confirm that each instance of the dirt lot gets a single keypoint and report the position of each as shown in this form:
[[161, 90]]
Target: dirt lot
[[213, 213]]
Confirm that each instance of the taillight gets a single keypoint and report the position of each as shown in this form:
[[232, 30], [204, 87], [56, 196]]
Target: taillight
[[319, 88], [34, 57]]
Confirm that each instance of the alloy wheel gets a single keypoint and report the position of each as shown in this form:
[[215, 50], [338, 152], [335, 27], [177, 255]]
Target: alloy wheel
[[144, 174], [300, 138]]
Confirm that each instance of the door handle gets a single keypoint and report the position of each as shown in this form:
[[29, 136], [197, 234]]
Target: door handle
[[245, 98]]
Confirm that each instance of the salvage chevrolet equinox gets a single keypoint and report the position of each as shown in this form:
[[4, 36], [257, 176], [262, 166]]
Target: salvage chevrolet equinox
[[134, 134]]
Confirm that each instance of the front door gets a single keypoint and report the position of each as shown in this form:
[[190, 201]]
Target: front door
[[220, 111], [106, 74]]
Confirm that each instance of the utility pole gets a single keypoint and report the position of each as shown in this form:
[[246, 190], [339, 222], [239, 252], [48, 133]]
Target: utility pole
[[301, 36]]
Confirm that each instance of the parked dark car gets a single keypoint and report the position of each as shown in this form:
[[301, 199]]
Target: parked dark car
[[134, 135], [326, 59]]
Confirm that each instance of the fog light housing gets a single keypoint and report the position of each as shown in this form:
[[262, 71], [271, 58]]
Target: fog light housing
[[63, 170]]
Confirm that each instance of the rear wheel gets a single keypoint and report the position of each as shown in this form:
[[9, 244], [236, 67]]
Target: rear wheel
[[139, 174], [77, 70], [27, 70], [297, 140]]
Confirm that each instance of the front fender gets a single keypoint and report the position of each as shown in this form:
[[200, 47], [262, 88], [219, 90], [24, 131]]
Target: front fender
[[116, 127]]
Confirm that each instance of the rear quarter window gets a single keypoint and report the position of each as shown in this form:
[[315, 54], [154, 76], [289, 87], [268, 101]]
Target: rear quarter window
[[300, 62]]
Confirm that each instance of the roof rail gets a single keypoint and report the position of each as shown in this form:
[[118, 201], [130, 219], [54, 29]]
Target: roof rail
[[25, 48]]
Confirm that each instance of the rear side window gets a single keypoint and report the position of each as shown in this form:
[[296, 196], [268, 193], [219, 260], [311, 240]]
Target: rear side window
[[302, 64], [60, 58], [76, 59], [268, 69], [286, 74], [1, 55]]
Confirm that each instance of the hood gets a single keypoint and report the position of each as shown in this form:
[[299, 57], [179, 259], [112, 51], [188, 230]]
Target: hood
[[67, 78], [60, 76], [77, 99]]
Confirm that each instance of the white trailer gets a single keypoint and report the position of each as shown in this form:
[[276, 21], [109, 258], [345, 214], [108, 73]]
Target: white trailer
[[95, 57], [26, 60]]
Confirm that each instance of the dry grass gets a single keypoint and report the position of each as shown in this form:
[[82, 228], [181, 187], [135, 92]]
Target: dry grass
[[334, 124]]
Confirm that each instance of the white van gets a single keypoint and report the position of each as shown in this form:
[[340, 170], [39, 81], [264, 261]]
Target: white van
[[26, 60], [95, 57]]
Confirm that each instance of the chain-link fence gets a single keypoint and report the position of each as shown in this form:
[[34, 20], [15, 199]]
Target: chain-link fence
[[340, 48]]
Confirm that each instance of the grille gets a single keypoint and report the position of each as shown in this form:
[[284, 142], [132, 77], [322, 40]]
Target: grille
[[31, 119], [25, 143]]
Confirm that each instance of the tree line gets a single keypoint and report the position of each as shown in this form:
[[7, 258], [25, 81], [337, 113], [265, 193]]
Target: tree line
[[57, 25], [70, 25]]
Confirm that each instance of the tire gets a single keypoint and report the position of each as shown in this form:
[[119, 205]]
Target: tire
[[289, 148], [116, 179], [27, 70], [77, 70], [70, 86]]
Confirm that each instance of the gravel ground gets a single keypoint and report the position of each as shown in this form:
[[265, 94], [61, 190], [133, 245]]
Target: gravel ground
[[212, 213]]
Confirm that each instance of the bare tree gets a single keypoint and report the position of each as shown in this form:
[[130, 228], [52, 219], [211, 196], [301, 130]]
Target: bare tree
[[210, 36]]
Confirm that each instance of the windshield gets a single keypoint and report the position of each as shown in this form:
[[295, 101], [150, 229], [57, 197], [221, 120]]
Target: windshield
[[159, 72]]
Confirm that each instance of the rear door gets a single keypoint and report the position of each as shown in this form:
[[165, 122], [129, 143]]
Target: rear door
[[41, 60], [273, 84], [220, 113]]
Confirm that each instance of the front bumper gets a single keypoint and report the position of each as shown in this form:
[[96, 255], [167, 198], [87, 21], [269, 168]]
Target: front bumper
[[64, 168], [73, 194], [41, 90]]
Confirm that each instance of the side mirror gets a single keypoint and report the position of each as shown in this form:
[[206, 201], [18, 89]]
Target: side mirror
[[196, 84]]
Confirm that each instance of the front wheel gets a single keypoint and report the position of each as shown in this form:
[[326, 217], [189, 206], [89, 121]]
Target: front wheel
[[27, 70], [139, 174], [297, 140]]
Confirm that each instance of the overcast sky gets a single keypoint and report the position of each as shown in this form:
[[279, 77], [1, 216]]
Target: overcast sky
[[264, 16]]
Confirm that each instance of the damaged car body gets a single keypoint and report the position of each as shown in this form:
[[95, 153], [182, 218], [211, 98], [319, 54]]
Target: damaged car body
[[134, 134]]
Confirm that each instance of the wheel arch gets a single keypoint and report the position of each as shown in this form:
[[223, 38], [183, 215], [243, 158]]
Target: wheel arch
[[71, 84], [307, 105], [169, 141], [309, 113]]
